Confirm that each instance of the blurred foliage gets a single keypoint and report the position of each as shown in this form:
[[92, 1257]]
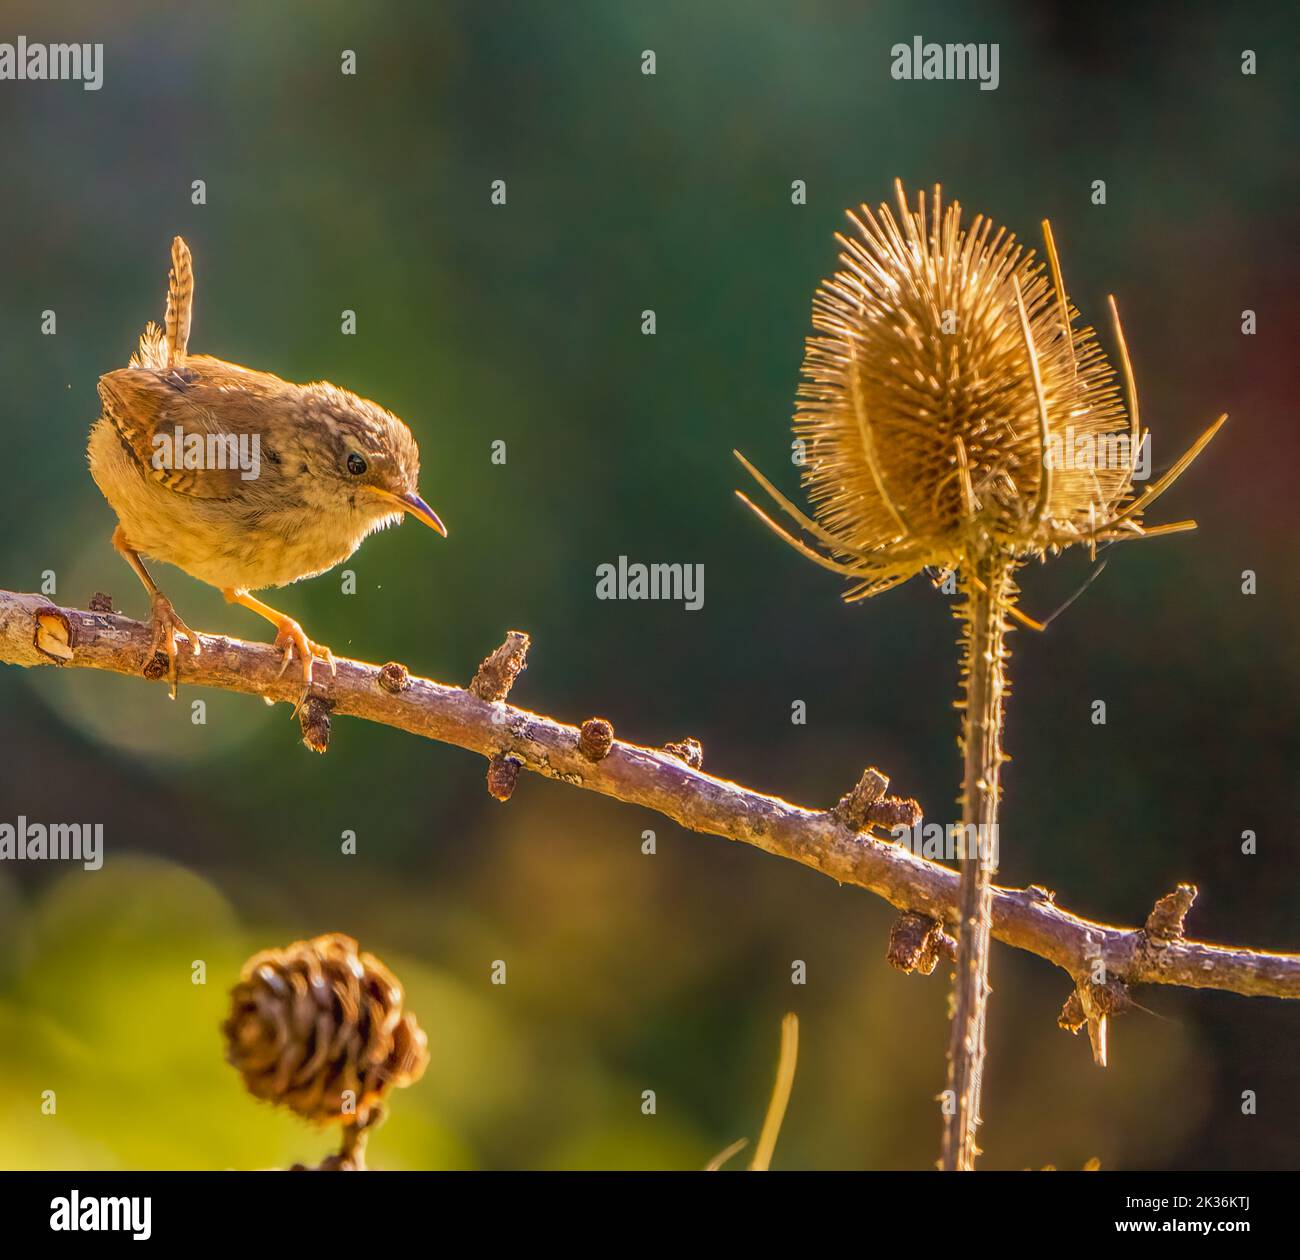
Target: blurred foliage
[[522, 323]]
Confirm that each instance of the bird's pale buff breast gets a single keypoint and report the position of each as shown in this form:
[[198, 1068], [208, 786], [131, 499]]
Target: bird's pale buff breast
[[246, 545]]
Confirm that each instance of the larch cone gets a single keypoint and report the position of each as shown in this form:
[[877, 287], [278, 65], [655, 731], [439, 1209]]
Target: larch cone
[[318, 1027]]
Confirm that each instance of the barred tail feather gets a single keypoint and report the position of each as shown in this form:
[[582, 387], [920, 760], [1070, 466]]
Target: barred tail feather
[[180, 302], [152, 351]]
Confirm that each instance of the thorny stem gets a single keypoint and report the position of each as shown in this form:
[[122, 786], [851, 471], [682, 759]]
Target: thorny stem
[[988, 593]]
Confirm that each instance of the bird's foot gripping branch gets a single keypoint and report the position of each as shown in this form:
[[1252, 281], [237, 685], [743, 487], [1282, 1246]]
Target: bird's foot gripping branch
[[848, 842]]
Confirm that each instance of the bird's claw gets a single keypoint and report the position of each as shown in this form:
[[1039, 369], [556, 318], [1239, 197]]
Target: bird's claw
[[291, 639], [167, 624]]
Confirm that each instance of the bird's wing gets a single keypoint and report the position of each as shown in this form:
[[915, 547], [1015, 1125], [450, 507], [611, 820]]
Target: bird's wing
[[174, 438]]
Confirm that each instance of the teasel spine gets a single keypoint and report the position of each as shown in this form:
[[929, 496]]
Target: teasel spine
[[990, 594]]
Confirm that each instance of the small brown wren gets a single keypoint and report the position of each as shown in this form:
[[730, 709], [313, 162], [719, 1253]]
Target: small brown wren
[[241, 479]]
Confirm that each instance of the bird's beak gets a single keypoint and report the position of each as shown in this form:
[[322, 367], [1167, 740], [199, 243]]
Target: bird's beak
[[417, 507]]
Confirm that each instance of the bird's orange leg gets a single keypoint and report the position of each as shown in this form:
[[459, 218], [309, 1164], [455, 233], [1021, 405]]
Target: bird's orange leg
[[289, 634], [166, 621]]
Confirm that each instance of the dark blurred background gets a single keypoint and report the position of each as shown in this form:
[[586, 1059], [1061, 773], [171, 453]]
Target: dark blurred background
[[522, 323]]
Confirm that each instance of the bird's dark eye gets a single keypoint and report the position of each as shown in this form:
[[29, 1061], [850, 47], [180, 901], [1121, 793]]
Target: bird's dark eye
[[356, 464]]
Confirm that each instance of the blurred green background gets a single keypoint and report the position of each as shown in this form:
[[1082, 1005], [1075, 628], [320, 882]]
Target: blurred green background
[[522, 323]]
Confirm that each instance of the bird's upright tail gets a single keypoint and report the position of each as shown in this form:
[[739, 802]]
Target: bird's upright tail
[[180, 302]]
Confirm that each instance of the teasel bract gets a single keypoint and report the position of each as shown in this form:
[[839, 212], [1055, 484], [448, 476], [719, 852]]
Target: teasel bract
[[943, 401]]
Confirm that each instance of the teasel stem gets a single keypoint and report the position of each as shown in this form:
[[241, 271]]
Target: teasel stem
[[990, 592]]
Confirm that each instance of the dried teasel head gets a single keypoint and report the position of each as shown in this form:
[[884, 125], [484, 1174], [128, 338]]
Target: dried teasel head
[[942, 402]]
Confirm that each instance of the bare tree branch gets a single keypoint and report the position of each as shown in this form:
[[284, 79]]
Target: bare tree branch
[[35, 632]]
